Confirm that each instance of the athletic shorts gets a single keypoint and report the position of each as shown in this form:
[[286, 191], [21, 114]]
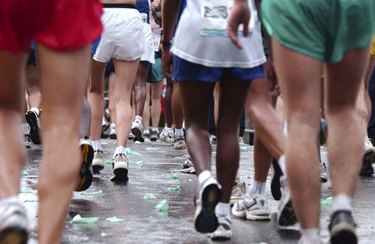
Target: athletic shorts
[[155, 73], [186, 71], [321, 29], [149, 54], [373, 47], [57, 24], [122, 37]]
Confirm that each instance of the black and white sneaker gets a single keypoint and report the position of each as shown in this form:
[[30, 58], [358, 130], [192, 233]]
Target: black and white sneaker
[[275, 182], [208, 196], [32, 119], [342, 228], [286, 215], [120, 168]]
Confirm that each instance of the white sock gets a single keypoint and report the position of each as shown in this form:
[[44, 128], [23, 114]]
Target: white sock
[[238, 175], [35, 109], [178, 133], [203, 176], [222, 209], [257, 188], [146, 132], [155, 129], [10, 199], [310, 236], [97, 145], [341, 202], [112, 126], [120, 150], [282, 164]]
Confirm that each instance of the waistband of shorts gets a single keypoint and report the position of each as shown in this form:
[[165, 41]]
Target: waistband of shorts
[[118, 5]]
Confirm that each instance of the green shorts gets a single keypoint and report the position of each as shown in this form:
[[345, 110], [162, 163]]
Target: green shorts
[[321, 29], [155, 73]]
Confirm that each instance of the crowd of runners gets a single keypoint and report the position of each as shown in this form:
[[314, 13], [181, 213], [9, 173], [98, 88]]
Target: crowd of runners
[[299, 69]]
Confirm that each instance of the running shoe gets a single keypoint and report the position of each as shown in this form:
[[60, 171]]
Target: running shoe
[[275, 182], [14, 226], [179, 143], [208, 195], [252, 209], [323, 172], [32, 119], [224, 230], [238, 192], [85, 174], [98, 162], [137, 129], [286, 215], [120, 168], [342, 228], [154, 135]]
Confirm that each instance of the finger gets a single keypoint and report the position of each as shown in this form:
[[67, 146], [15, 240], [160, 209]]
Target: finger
[[232, 33]]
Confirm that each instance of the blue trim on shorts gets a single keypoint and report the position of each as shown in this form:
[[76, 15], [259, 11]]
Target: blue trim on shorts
[[186, 71]]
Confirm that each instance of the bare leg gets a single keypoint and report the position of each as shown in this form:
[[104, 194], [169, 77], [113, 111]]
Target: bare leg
[[232, 98], [63, 76], [146, 110], [301, 89], [156, 105], [125, 75], [168, 103], [268, 127], [196, 112], [178, 115], [95, 98], [343, 82], [12, 153], [140, 87]]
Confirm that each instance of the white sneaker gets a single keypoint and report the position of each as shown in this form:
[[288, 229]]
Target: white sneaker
[[112, 131], [286, 215], [14, 225], [167, 135], [224, 230], [367, 158], [137, 128], [208, 195], [120, 168], [252, 209], [238, 192], [98, 162], [179, 143]]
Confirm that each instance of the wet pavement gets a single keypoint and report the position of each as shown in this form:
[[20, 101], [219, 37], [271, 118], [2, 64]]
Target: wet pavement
[[122, 215]]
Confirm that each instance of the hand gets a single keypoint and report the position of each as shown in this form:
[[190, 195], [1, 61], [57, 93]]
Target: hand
[[167, 61], [240, 14]]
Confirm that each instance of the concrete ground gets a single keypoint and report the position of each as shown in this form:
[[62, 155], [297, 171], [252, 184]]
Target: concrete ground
[[154, 170]]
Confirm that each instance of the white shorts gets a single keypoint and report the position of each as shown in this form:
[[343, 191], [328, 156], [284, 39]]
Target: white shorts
[[149, 54], [122, 36]]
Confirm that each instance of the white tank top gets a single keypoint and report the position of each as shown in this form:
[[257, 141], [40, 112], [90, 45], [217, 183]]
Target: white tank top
[[215, 51]]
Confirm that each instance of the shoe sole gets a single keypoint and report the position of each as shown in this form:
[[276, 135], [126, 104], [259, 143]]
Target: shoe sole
[[137, 132], [13, 235], [287, 215], [34, 129], [120, 175], [96, 168], [206, 221], [85, 176], [275, 182], [343, 234], [259, 216], [367, 160], [153, 138]]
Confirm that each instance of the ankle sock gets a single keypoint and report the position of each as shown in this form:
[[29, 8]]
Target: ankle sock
[[310, 236], [222, 209], [204, 176], [97, 145], [257, 188], [120, 150], [35, 109], [341, 202]]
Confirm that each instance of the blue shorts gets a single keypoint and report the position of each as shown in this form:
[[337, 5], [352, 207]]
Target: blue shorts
[[186, 71]]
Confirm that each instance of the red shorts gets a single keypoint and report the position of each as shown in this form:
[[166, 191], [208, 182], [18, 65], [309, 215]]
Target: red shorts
[[57, 24]]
